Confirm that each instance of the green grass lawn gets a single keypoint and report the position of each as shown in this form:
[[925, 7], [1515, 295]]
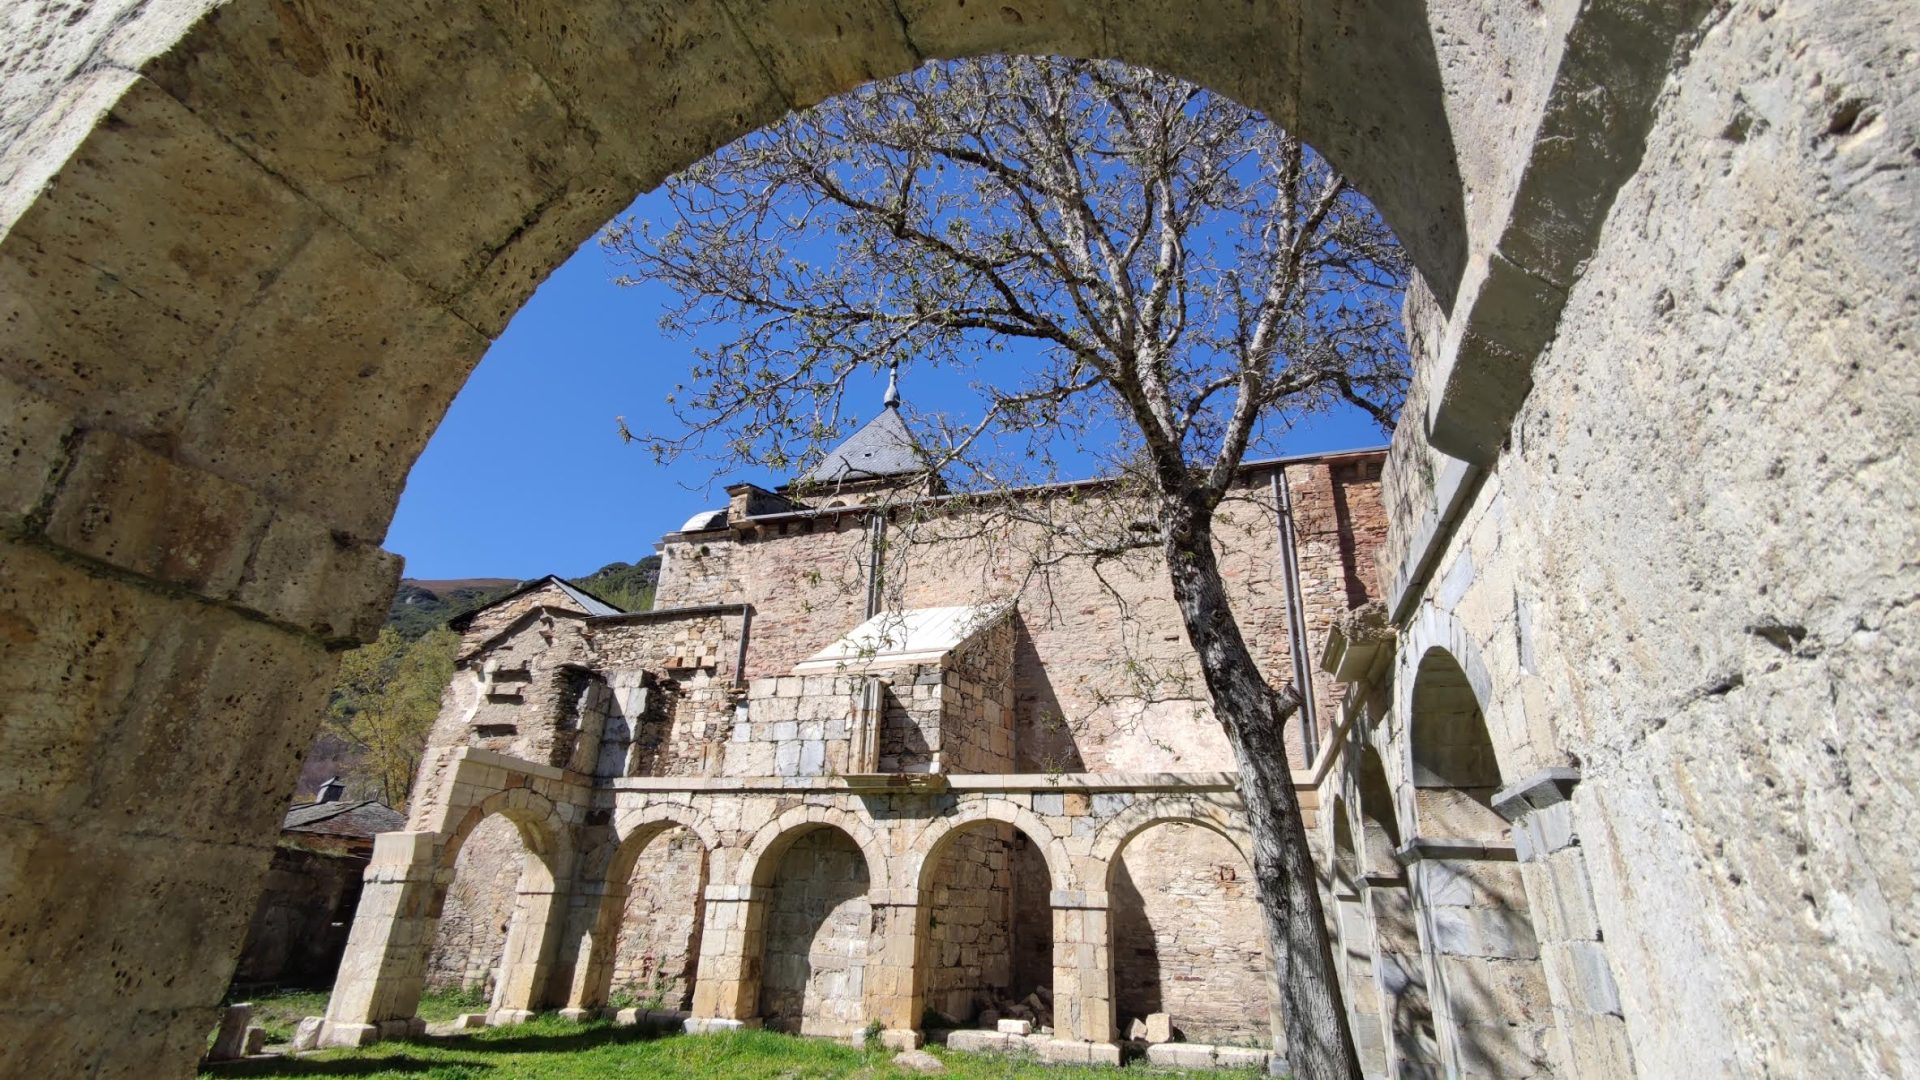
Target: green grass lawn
[[280, 1011], [553, 1049]]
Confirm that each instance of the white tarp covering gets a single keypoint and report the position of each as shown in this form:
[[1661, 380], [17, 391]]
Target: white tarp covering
[[894, 638]]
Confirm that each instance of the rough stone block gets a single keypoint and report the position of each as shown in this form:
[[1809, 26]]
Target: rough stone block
[[1015, 1027], [306, 1036], [918, 1061], [1159, 1028], [230, 1041], [255, 1041]]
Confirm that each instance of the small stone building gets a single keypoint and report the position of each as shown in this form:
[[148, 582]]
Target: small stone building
[[862, 766], [299, 929]]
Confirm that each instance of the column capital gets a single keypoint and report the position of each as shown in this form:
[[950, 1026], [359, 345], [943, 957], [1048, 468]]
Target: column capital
[[1548, 787]]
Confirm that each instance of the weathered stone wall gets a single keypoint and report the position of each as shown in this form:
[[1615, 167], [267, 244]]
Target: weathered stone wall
[[817, 935], [479, 909], [656, 959], [1188, 938], [300, 927], [969, 944]]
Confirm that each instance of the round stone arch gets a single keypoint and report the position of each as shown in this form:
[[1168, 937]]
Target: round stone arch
[[1432, 633], [761, 859], [932, 841], [542, 829], [251, 252], [636, 827], [1112, 837]]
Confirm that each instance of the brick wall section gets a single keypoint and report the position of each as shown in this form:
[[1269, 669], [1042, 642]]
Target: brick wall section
[[1188, 938], [656, 954]]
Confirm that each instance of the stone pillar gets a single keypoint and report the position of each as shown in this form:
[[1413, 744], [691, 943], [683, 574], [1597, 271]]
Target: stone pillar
[[1357, 985], [527, 961], [732, 948], [594, 911], [1083, 972], [1590, 1031], [385, 966], [1406, 1022], [895, 985], [1491, 1007]]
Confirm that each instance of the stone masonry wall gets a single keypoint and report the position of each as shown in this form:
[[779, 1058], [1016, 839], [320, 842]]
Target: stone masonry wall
[[655, 958], [806, 582], [1188, 937], [478, 908], [818, 926], [969, 943]]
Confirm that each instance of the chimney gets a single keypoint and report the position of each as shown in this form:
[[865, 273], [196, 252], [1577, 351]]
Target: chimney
[[331, 791]]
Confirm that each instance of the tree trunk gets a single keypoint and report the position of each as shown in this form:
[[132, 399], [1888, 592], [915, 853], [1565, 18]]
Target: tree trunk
[[1319, 1044]]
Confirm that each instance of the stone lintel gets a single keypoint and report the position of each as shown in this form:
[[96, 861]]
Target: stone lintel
[[473, 755], [1420, 848], [1537, 792]]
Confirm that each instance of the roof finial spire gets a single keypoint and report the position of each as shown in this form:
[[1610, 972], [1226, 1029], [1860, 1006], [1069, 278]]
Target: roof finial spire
[[892, 400]]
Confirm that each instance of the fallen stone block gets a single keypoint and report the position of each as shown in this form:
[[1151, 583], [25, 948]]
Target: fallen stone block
[[307, 1035], [230, 1041], [1159, 1028], [1015, 1027], [981, 1042], [1137, 1030], [255, 1041], [919, 1061]]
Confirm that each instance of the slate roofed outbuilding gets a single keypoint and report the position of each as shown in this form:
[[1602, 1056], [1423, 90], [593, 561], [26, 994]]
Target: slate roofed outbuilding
[[365, 818], [589, 603]]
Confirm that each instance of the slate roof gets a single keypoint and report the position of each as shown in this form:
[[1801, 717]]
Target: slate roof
[[881, 449], [589, 603], [364, 818]]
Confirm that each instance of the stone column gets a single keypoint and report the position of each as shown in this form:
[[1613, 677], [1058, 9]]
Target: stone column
[[592, 929], [1406, 1022], [526, 964], [1356, 967], [1491, 1007], [385, 966], [1083, 975], [1590, 1031], [895, 987], [732, 948]]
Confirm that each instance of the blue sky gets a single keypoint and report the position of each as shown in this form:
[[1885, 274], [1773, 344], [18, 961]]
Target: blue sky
[[527, 474]]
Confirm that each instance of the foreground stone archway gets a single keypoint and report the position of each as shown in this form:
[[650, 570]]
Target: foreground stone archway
[[248, 258]]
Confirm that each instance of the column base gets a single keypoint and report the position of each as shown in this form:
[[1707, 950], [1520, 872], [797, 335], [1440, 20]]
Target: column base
[[1060, 1052], [332, 1034], [579, 1016], [703, 1025], [902, 1039], [503, 1017]]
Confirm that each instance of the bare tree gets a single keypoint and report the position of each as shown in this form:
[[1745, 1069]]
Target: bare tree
[[1126, 263]]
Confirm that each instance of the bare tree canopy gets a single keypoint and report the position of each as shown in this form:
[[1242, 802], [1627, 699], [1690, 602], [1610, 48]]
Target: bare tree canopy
[[1180, 271], [1114, 258]]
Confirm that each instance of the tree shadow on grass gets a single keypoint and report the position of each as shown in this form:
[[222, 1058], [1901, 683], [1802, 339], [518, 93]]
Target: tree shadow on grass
[[476, 1054]]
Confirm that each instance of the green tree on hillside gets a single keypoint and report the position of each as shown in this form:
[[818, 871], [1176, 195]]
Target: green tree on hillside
[[385, 703]]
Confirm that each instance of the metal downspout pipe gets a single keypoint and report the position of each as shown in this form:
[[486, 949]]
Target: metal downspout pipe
[[1296, 616]]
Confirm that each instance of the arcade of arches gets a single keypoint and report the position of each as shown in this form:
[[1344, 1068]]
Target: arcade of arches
[[1647, 574]]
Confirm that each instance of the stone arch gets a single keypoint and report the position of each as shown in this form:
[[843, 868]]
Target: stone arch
[[940, 831], [1475, 921], [1112, 837], [544, 831], [815, 887], [606, 873], [983, 931], [1186, 938], [1378, 831], [634, 828], [761, 858]]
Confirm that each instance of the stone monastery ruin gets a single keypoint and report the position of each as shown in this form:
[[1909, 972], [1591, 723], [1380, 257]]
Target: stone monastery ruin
[[1651, 550], [783, 798]]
